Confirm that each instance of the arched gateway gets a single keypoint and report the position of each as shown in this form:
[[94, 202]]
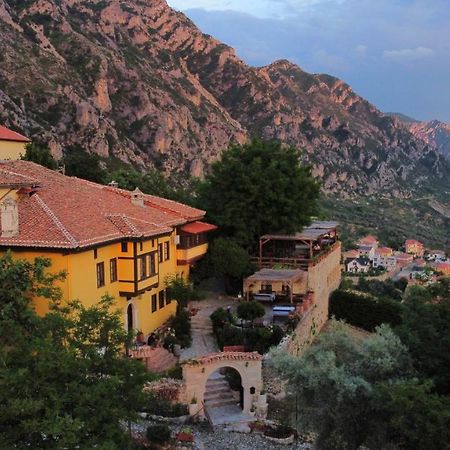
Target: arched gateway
[[197, 371]]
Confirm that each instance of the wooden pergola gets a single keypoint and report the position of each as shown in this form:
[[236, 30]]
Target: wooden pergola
[[291, 279], [303, 245]]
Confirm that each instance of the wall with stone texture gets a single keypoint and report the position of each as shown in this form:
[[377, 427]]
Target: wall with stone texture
[[324, 276]]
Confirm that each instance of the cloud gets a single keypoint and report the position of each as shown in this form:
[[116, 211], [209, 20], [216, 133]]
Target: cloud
[[409, 53]]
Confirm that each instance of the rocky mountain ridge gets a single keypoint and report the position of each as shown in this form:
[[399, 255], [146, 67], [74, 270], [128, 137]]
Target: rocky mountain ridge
[[138, 83]]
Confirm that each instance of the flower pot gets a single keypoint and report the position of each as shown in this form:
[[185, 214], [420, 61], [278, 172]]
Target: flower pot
[[193, 409]]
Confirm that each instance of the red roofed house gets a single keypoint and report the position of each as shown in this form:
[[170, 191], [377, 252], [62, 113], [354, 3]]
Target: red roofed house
[[12, 144], [367, 246], [443, 267], [414, 247], [384, 258], [403, 259], [108, 240]]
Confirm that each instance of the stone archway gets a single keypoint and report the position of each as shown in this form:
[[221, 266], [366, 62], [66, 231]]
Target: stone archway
[[197, 371]]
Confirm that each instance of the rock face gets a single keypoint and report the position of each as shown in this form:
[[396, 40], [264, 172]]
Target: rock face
[[434, 133], [136, 81]]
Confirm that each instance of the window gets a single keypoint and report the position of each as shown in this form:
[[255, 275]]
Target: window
[[100, 274], [168, 300], [161, 298], [154, 306], [166, 250], [113, 270], [160, 253], [95, 253], [266, 288], [141, 246], [143, 267], [152, 263], [124, 246]]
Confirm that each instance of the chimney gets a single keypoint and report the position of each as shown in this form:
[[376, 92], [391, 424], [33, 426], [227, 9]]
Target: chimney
[[113, 184], [9, 213], [137, 197]]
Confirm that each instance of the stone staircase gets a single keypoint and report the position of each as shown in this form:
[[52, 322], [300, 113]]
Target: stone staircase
[[201, 324], [218, 393], [156, 359]]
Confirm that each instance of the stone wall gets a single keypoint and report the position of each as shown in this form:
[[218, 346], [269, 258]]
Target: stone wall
[[324, 276]]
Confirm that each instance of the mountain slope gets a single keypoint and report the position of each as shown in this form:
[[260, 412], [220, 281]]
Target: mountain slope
[[434, 133], [136, 81]]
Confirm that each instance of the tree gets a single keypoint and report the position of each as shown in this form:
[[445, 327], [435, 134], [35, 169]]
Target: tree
[[425, 330], [40, 154], [250, 311], [65, 379], [335, 380], [259, 188], [81, 164]]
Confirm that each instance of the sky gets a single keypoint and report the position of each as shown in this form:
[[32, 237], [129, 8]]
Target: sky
[[395, 53]]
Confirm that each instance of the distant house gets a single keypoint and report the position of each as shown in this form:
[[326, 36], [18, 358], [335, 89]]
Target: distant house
[[350, 254], [367, 246], [384, 258], [414, 247], [358, 265], [403, 259], [443, 267], [436, 255], [12, 144]]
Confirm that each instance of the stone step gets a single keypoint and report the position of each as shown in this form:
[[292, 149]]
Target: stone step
[[221, 402], [226, 395], [211, 384]]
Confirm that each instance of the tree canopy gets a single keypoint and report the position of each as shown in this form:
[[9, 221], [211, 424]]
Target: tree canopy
[[258, 188], [65, 381], [40, 154]]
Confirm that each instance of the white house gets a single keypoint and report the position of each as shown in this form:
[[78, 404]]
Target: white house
[[358, 265]]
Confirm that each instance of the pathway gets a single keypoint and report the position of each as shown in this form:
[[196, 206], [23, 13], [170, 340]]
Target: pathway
[[203, 340]]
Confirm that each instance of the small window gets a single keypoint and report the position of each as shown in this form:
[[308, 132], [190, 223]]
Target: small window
[[141, 246], [161, 299], [153, 243], [95, 253], [154, 304], [100, 274], [168, 300], [160, 253], [166, 251], [113, 270], [124, 246], [143, 267], [152, 263]]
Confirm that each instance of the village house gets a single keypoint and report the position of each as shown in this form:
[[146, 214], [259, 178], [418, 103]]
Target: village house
[[443, 267], [403, 259], [385, 258], [12, 144], [367, 246], [108, 240], [414, 247], [358, 265], [435, 255]]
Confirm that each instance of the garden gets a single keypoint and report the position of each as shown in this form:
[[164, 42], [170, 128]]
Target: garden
[[244, 328]]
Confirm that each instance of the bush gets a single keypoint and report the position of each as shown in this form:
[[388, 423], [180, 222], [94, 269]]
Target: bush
[[364, 311], [159, 406], [250, 310], [158, 434], [229, 335], [169, 342], [219, 318], [181, 325]]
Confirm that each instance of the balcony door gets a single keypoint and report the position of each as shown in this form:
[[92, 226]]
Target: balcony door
[[130, 324]]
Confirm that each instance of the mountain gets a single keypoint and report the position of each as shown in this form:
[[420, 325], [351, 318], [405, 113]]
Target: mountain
[[138, 83], [402, 117], [434, 133]]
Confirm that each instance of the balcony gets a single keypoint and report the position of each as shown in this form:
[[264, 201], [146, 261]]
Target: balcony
[[193, 243], [191, 255]]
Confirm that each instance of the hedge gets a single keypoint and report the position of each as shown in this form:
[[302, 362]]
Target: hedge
[[364, 311]]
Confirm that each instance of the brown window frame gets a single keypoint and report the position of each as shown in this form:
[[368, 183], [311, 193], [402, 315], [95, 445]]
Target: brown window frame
[[100, 274], [162, 299], [113, 270], [124, 247], [160, 253], [166, 251], [154, 303]]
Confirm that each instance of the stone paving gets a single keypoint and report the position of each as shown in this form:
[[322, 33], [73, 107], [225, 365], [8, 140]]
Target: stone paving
[[203, 340]]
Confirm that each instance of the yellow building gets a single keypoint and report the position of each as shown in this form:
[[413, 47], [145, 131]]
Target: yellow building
[[12, 144], [107, 240]]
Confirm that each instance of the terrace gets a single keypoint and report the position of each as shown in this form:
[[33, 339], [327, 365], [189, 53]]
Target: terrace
[[298, 250]]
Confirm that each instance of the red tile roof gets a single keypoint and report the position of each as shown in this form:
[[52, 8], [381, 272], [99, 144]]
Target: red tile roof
[[413, 242], [198, 227], [68, 212], [369, 239], [9, 135], [384, 251]]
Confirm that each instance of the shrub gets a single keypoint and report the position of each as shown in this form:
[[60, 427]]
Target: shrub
[[250, 310], [170, 341], [219, 318], [158, 434], [364, 311], [181, 325], [159, 406]]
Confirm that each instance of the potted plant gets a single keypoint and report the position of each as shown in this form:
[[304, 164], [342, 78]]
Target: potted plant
[[185, 435], [280, 434]]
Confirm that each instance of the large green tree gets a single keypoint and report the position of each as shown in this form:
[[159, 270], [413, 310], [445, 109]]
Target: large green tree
[[65, 380], [335, 381], [258, 188], [39, 154]]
